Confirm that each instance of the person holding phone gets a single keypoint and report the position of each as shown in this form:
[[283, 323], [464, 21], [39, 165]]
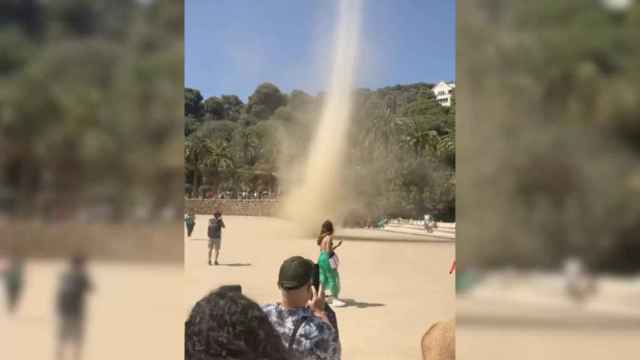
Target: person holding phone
[[214, 231], [300, 317], [328, 263]]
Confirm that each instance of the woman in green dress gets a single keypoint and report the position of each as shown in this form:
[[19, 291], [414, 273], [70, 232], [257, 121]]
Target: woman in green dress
[[328, 264]]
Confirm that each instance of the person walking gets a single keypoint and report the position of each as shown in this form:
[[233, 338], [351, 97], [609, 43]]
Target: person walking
[[74, 287], [328, 264], [214, 231], [14, 281], [190, 222], [300, 316]]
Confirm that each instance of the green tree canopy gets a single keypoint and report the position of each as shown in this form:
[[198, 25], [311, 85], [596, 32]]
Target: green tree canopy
[[192, 102], [214, 108], [232, 107], [265, 100]]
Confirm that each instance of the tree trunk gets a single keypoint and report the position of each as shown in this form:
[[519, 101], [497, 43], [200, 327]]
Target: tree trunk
[[196, 181]]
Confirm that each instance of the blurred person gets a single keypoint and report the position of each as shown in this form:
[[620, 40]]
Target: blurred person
[[578, 282], [71, 298], [227, 325], [14, 281], [429, 223], [214, 231], [439, 342], [300, 317], [328, 263], [190, 222]]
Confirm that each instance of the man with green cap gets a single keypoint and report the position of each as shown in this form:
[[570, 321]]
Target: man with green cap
[[300, 317]]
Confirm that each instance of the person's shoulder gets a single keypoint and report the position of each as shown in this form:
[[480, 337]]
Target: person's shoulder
[[269, 308], [321, 339], [319, 328]]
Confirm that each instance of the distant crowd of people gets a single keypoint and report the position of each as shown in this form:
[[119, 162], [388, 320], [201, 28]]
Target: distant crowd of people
[[240, 195], [70, 300]]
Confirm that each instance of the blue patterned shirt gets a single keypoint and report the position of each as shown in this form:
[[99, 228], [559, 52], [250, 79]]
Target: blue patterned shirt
[[315, 340]]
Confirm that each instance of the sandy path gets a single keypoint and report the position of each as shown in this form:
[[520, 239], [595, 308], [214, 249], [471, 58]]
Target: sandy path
[[531, 318], [134, 313], [523, 343], [399, 288]]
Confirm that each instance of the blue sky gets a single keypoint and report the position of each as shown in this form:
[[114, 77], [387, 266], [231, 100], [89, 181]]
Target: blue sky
[[231, 46]]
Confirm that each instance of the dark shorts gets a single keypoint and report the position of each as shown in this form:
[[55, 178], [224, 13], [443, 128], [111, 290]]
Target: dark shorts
[[71, 329], [215, 243]]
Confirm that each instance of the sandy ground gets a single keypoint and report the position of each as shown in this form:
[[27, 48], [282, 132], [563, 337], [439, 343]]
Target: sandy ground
[[134, 313], [397, 289], [530, 317]]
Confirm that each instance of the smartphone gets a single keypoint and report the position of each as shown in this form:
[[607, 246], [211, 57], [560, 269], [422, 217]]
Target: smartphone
[[316, 277]]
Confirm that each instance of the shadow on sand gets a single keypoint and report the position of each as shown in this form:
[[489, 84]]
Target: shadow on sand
[[360, 304], [234, 264]]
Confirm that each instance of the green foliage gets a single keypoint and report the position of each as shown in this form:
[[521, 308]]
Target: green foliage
[[213, 108], [232, 107], [550, 133], [92, 118], [192, 103], [27, 15], [265, 100], [17, 50], [403, 164]]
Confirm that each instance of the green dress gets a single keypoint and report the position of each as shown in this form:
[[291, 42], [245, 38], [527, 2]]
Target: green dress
[[329, 277]]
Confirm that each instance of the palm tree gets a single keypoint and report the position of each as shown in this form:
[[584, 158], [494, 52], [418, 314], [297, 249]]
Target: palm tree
[[419, 136], [194, 152]]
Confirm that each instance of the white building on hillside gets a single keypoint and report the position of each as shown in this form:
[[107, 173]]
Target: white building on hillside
[[443, 91]]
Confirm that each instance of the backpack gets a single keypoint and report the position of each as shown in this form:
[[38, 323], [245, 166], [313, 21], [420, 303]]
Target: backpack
[[213, 231], [70, 297]]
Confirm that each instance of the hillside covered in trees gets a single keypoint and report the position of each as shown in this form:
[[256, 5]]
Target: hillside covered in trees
[[91, 107], [550, 137], [401, 161]]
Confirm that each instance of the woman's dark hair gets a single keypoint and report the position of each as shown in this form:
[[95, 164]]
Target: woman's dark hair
[[326, 229], [227, 325]]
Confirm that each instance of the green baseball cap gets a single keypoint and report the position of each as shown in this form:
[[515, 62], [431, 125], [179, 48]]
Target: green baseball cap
[[295, 272]]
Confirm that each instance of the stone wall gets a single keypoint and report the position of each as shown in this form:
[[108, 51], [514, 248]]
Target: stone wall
[[136, 242], [233, 207]]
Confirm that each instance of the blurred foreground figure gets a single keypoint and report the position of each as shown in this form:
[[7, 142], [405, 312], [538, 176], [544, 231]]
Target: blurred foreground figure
[[190, 221], [579, 283], [439, 342], [429, 223], [14, 280], [74, 286], [227, 325]]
